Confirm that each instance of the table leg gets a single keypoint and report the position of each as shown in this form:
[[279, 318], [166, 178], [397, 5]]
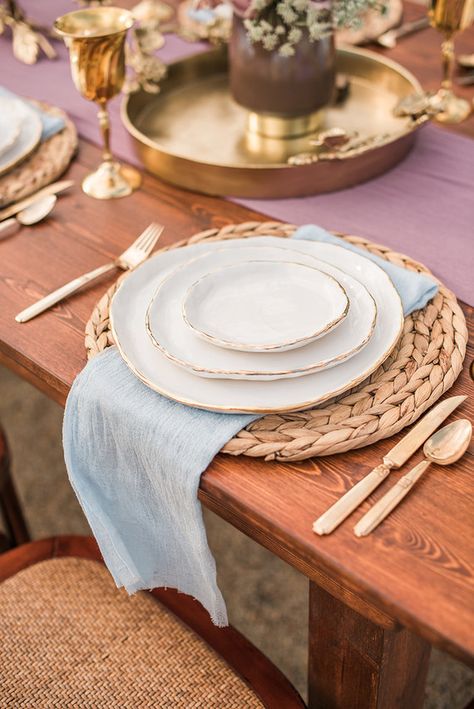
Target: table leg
[[355, 663], [10, 509]]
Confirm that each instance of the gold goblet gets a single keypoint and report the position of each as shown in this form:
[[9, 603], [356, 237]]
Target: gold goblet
[[449, 17], [95, 38]]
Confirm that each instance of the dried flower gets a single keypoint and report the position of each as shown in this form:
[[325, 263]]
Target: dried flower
[[286, 12], [294, 35], [286, 50], [281, 24], [270, 41]]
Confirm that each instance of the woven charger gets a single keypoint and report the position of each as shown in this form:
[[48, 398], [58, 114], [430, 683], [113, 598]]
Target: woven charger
[[423, 364], [44, 165]]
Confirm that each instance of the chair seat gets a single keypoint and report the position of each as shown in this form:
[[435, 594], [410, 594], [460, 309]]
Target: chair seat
[[69, 638]]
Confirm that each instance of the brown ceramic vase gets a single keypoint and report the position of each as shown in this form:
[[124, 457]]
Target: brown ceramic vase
[[264, 82]]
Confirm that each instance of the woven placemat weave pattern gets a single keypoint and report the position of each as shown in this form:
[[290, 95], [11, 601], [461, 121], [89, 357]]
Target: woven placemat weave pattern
[[45, 165], [69, 638], [423, 365]]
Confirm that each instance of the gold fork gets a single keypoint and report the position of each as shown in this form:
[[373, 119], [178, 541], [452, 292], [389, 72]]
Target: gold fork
[[131, 258]]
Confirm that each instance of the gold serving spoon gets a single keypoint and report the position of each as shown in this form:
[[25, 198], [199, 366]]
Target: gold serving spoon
[[30, 215], [444, 447]]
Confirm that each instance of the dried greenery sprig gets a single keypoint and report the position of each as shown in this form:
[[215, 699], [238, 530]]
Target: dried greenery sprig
[[281, 24], [28, 39]]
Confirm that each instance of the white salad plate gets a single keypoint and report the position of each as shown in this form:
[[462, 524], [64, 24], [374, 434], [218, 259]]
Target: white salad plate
[[10, 122], [177, 341], [148, 363], [264, 306], [27, 139]]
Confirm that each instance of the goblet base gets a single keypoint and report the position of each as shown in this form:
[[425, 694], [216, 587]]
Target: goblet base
[[451, 108], [111, 181]]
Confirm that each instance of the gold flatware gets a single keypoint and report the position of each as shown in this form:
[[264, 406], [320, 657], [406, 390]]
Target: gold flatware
[[54, 188], [389, 39], [395, 458], [444, 447], [466, 61], [30, 215], [95, 38], [465, 80], [131, 258]]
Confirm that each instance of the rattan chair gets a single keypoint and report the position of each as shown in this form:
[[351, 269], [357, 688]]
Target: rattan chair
[[70, 638], [16, 531]]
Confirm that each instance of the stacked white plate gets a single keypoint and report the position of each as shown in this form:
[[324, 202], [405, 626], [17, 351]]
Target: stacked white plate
[[20, 131], [255, 325]]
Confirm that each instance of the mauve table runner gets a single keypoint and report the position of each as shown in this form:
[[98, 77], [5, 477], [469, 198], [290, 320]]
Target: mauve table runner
[[423, 207]]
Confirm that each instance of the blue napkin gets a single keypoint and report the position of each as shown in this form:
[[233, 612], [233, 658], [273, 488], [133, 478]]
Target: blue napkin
[[135, 458], [51, 124], [415, 289]]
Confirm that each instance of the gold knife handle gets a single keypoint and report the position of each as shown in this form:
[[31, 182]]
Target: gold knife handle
[[411, 27], [7, 225], [341, 509], [389, 501], [53, 188], [60, 293]]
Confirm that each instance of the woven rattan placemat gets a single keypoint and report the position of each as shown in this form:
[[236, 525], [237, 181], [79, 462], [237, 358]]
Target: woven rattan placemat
[[425, 363], [45, 165]]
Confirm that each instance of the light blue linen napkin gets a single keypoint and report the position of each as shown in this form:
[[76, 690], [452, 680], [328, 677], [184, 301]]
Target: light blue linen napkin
[[51, 124], [135, 458], [415, 289]]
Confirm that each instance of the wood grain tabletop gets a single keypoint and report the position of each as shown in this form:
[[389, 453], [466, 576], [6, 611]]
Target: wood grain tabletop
[[416, 568]]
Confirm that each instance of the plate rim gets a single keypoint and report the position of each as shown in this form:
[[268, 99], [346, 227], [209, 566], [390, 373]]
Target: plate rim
[[300, 406], [32, 145], [3, 149], [272, 347], [248, 375]]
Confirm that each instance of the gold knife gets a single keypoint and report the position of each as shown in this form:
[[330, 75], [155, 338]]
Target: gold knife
[[395, 458], [54, 188]]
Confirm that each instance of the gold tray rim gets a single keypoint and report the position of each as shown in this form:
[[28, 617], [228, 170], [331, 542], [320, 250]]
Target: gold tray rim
[[267, 169]]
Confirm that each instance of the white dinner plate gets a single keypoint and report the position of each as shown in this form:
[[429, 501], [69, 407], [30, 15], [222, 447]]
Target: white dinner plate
[[264, 306], [177, 342], [10, 122], [130, 303], [27, 139]]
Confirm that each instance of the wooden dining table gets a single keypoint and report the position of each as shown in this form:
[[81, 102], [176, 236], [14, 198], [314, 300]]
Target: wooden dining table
[[377, 604]]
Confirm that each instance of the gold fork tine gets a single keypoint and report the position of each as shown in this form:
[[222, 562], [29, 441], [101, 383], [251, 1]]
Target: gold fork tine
[[152, 238], [138, 243], [130, 258]]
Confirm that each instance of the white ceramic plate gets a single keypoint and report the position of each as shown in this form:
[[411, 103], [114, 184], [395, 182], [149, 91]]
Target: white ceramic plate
[[27, 139], [177, 342], [264, 306], [10, 122], [130, 303]]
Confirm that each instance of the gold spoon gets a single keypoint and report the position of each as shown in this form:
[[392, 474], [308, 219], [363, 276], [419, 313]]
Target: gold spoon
[[31, 215], [444, 447]]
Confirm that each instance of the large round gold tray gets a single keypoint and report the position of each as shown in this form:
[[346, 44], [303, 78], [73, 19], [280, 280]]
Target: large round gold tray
[[193, 134]]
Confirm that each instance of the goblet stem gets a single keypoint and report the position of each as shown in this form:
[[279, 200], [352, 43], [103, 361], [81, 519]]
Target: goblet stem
[[447, 50], [104, 123], [451, 108]]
